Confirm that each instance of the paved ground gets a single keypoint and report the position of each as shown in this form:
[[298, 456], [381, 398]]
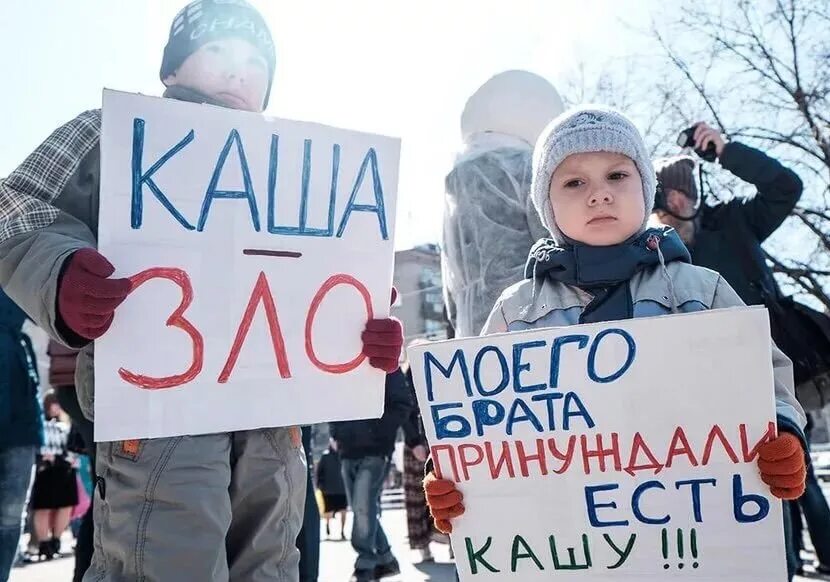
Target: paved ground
[[336, 561]]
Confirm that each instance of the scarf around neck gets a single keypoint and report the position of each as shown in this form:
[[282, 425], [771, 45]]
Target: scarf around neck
[[605, 271]]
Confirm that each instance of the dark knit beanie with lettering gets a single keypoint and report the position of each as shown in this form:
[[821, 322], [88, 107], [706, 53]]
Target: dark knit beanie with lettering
[[203, 21]]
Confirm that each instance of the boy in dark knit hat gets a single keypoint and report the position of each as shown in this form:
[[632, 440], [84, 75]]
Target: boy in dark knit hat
[[194, 61], [210, 507]]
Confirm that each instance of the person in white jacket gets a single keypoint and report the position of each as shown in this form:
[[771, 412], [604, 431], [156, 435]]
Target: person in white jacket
[[489, 220]]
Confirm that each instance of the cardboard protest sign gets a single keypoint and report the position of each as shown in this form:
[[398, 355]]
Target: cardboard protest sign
[[616, 451], [258, 249]]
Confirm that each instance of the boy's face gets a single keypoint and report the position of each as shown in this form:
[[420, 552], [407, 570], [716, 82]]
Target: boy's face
[[231, 70], [597, 198]]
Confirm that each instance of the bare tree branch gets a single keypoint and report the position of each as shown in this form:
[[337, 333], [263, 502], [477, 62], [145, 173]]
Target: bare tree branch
[[698, 87], [803, 278], [760, 70]]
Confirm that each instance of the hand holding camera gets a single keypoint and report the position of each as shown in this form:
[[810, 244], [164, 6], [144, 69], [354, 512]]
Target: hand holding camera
[[707, 142]]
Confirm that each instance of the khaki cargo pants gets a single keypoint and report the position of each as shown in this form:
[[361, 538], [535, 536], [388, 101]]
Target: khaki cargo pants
[[209, 508]]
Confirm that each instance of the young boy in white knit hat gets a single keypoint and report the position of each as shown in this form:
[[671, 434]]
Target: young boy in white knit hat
[[594, 188]]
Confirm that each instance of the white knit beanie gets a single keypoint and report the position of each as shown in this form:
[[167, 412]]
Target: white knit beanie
[[592, 128]]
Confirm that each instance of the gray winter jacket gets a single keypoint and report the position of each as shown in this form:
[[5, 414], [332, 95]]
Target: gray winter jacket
[[554, 304]]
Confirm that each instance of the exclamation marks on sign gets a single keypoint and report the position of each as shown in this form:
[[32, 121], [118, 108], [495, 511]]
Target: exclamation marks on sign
[[680, 548]]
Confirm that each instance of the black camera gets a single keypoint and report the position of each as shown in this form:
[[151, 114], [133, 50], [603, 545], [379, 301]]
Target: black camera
[[686, 139]]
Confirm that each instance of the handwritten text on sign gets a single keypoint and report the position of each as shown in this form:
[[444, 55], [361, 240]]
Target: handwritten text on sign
[[258, 249], [624, 450]]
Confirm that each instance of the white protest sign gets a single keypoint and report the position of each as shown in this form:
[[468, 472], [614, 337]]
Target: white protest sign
[[618, 451], [258, 249]]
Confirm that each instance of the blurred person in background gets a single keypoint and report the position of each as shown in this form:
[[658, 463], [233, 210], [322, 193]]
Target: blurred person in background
[[416, 450], [55, 491], [21, 435], [331, 486]]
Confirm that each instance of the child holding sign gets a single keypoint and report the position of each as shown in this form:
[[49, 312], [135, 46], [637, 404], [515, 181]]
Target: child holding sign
[[594, 188], [209, 507]]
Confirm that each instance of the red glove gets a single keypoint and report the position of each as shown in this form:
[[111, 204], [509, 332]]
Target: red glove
[[783, 466], [87, 298], [444, 501], [382, 343]]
